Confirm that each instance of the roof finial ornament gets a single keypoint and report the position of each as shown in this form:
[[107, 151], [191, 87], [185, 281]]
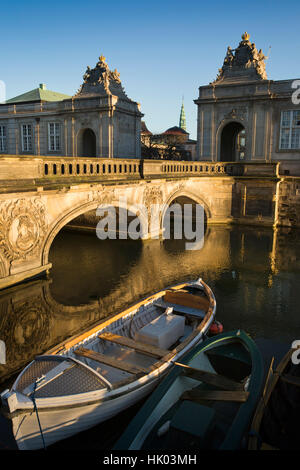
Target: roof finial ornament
[[102, 58], [245, 36]]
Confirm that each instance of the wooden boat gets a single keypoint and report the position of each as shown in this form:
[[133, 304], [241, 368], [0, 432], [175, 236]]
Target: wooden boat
[[276, 421], [97, 374], [206, 402]]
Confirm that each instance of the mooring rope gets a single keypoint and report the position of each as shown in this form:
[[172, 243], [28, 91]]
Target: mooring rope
[[37, 414]]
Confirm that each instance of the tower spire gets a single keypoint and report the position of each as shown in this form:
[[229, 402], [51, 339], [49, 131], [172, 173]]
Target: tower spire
[[182, 121]]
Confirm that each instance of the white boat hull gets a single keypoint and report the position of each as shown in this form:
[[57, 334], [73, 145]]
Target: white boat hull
[[60, 424]]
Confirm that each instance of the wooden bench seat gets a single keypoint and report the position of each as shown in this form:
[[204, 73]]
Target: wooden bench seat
[[111, 361], [182, 297], [216, 380], [215, 395], [136, 345], [181, 309]]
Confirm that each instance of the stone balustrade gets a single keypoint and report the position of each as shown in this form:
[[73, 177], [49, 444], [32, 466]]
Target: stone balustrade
[[49, 169], [215, 169], [94, 167]]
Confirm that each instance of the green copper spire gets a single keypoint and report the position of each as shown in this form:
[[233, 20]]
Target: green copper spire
[[182, 122]]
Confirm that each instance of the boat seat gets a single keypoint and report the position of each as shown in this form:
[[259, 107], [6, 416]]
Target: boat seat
[[217, 380], [111, 361], [163, 331], [136, 345], [193, 418], [181, 309], [181, 297], [197, 395]]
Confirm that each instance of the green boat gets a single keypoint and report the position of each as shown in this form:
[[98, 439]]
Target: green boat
[[206, 402]]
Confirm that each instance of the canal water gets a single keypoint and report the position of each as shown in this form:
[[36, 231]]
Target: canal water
[[254, 273]]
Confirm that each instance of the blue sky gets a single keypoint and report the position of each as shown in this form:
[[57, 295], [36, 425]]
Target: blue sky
[[163, 49]]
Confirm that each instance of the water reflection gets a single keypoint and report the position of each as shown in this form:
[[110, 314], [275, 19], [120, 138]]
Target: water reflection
[[254, 274], [86, 268]]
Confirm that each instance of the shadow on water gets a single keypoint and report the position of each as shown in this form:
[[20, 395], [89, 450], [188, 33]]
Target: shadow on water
[[254, 273], [85, 268]]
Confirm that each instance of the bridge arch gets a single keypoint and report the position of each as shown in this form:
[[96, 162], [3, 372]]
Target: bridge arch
[[185, 194], [67, 217], [167, 225]]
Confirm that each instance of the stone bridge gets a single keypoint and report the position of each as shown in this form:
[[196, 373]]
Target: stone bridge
[[41, 195]]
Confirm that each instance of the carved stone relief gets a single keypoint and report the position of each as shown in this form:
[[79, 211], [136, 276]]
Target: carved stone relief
[[239, 112], [152, 196], [22, 227], [102, 196]]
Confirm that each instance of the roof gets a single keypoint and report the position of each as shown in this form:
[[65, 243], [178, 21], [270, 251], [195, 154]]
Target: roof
[[144, 129], [176, 131], [38, 94]]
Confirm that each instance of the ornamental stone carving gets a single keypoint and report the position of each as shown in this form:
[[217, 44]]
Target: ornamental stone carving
[[22, 227], [239, 112], [101, 81], [244, 61], [152, 196], [25, 328], [102, 196]]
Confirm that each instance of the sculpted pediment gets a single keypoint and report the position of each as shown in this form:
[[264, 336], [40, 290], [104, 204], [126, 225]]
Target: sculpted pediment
[[244, 62]]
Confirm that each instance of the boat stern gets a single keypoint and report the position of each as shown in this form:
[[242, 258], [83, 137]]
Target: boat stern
[[9, 401]]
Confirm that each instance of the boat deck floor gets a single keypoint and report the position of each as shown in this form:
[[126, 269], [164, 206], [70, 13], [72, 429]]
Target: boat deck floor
[[175, 438], [120, 354]]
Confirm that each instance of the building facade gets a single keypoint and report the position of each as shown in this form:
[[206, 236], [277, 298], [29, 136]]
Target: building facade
[[173, 144], [98, 121], [243, 115]]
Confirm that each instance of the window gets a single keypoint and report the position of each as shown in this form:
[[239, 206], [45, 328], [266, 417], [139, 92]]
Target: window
[[241, 145], [290, 130], [2, 139], [54, 136], [26, 137]]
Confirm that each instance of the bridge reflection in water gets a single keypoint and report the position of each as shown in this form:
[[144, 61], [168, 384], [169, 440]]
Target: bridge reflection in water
[[254, 274]]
